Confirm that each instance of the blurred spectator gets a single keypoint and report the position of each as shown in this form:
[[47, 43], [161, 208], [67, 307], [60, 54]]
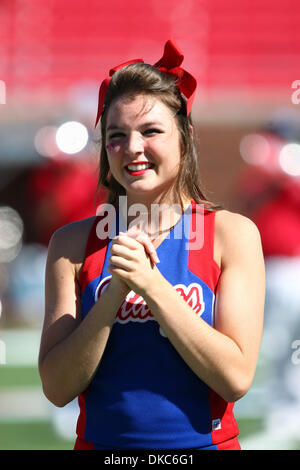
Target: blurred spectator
[[61, 191], [274, 205], [271, 198], [26, 286]]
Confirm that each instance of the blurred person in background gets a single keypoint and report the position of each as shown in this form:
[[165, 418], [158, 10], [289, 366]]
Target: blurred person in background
[[61, 191], [270, 190], [58, 191]]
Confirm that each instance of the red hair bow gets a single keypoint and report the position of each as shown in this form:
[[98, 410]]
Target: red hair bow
[[169, 63]]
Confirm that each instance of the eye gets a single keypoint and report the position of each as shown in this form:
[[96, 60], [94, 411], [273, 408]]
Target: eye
[[116, 135], [152, 131]]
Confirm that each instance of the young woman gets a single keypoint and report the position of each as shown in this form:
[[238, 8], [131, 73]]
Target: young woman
[[153, 322]]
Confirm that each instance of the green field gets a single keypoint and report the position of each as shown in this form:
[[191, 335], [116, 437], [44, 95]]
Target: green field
[[26, 422], [39, 434], [31, 435]]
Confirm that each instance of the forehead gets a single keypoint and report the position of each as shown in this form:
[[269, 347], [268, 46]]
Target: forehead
[[139, 108]]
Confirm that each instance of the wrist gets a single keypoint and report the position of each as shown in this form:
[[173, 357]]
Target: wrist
[[154, 289], [117, 288]]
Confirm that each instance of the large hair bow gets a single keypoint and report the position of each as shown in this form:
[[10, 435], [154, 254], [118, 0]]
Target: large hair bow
[[169, 63]]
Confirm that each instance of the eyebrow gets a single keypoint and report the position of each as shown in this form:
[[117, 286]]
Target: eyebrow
[[112, 126], [146, 124]]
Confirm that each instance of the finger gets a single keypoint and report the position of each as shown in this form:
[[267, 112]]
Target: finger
[[121, 250], [119, 262], [143, 238], [124, 239], [112, 269], [149, 247]]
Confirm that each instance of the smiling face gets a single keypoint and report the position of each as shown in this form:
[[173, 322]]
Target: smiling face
[[143, 146]]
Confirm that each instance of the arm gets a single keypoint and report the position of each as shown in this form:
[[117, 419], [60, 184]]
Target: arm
[[71, 349], [225, 356]]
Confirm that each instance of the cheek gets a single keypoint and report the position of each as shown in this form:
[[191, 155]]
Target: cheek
[[174, 157], [114, 165], [115, 171], [111, 147]]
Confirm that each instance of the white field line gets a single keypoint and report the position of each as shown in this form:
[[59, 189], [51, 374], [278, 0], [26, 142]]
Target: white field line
[[29, 403], [269, 440], [21, 346], [23, 403]]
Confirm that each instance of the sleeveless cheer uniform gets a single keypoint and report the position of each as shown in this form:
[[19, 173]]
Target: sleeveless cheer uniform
[[143, 395]]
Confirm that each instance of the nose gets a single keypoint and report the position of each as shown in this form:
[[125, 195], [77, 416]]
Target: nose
[[134, 144]]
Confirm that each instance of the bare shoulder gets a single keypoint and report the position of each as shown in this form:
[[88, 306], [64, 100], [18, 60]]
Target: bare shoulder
[[236, 235], [231, 222], [70, 241]]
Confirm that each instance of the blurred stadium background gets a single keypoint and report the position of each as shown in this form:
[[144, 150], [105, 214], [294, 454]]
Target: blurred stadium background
[[53, 56]]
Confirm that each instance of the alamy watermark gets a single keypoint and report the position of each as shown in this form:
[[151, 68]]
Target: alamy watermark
[[160, 217], [295, 358], [2, 92], [296, 94]]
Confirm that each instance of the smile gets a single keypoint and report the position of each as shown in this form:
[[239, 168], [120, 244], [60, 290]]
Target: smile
[[138, 168]]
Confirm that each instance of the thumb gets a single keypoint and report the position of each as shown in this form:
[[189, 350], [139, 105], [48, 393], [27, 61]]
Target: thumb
[[144, 239]]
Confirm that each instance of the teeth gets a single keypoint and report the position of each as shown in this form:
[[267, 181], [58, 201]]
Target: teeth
[[143, 166]]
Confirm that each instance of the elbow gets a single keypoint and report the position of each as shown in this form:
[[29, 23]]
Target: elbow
[[53, 386], [53, 392], [55, 398], [234, 395], [236, 389]]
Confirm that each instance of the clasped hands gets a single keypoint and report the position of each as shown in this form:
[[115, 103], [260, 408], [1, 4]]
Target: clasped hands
[[133, 261]]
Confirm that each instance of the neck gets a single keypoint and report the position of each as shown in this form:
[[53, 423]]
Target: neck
[[155, 217]]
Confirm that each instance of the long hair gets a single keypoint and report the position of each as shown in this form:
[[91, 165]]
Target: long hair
[[144, 79]]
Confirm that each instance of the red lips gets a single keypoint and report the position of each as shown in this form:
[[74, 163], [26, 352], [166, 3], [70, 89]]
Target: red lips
[[138, 171]]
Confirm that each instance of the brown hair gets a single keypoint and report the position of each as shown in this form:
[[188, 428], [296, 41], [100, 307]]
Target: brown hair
[[145, 79]]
